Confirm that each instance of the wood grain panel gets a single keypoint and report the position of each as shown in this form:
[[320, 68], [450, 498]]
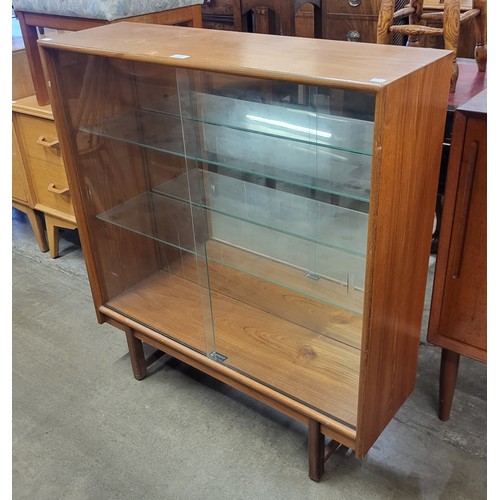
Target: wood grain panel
[[400, 227], [458, 310], [252, 54], [298, 362]]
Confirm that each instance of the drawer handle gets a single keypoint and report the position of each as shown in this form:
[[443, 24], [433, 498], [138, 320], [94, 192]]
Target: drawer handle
[[52, 188], [354, 3], [353, 36], [47, 144], [463, 211]]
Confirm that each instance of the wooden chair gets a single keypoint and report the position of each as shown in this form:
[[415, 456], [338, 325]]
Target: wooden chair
[[34, 18], [272, 16], [445, 23]]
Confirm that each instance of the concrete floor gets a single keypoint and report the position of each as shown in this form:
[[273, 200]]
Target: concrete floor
[[84, 428]]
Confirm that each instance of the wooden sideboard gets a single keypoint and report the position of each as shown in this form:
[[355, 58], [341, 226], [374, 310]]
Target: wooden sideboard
[[40, 185], [457, 321]]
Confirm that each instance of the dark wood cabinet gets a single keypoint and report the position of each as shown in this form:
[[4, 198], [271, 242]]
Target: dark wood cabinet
[[457, 320]]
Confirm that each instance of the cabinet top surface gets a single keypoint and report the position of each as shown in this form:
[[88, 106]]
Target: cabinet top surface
[[478, 104], [305, 60]]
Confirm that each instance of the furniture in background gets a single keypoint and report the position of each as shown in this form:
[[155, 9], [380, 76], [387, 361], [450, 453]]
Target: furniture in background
[[218, 14], [351, 20], [449, 20], [457, 321], [38, 169], [22, 86], [467, 38], [74, 15], [246, 215], [21, 195], [274, 16], [470, 83]]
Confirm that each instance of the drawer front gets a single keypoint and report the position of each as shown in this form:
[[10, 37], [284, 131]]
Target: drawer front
[[39, 138], [50, 185], [352, 7], [351, 29], [18, 186]]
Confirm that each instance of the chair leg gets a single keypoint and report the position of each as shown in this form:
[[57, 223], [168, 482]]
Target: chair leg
[[480, 52], [385, 20], [451, 32]]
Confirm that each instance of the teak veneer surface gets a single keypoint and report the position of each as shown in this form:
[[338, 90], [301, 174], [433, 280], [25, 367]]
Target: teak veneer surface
[[346, 65]]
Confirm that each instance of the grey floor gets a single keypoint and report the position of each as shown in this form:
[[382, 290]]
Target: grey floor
[[84, 428]]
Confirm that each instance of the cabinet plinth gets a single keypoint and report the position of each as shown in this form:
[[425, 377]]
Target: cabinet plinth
[[259, 215]]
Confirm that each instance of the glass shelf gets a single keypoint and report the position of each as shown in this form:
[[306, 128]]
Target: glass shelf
[[321, 272], [316, 167], [280, 211], [286, 121]]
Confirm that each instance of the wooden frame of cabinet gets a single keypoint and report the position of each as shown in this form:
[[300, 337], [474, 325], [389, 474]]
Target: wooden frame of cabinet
[[375, 374]]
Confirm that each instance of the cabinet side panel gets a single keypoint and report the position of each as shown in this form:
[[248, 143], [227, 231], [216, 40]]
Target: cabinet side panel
[[408, 139]]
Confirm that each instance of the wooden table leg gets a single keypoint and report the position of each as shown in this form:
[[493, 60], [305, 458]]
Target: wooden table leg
[[36, 221], [318, 452], [137, 358], [53, 224], [316, 443], [447, 381]]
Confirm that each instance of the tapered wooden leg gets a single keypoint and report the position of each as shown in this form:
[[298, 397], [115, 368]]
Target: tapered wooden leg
[[53, 225], [316, 443], [137, 358], [36, 223], [447, 381]]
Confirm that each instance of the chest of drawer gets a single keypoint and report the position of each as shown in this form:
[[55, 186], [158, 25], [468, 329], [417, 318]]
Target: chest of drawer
[[40, 139], [351, 20], [351, 29], [50, 186]]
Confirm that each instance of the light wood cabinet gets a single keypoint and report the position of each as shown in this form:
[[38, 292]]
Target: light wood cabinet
[[41, 166], [262, 213], [457, 320], [21, 199]]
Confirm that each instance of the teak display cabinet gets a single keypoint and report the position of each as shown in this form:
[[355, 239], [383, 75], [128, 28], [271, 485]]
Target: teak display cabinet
[[262, 211]]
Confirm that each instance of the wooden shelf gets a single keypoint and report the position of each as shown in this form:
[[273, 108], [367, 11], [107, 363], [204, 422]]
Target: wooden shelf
[[307, 366]]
